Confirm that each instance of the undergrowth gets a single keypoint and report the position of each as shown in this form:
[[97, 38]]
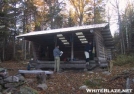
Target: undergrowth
[[121, 60]]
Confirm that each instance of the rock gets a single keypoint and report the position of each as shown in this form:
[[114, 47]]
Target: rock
[[29, 81], [42, 86], [21, 78], [1, 81], [3, 72], [41, 78], [68, 85], [133, 80], [85, 69], [12, 79], [91, 72], [10, 91], [73, 88], [51, 83], [27, 90], [83, 75], [106, 72], [51, 88], [83, 87]]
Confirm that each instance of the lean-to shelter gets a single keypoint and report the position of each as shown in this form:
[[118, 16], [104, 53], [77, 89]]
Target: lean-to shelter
[[72, 41]]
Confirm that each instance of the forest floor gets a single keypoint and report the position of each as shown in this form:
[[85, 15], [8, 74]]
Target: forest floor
[[70, 81]]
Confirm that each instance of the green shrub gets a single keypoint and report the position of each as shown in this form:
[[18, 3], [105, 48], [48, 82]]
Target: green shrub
[[123, 60], [93, 83]]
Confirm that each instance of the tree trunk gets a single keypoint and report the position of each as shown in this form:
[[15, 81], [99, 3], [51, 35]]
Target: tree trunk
[[25, 49], [3, 50], [14, 49], [120, 31], [127, 37]]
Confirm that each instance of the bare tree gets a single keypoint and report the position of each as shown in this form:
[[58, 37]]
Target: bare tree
[[117, 9]]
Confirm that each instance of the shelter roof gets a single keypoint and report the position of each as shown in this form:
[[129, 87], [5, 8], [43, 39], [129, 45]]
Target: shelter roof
[[62, 30], [81, 35]]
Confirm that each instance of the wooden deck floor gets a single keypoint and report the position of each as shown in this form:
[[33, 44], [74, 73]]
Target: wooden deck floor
[[64, 65]]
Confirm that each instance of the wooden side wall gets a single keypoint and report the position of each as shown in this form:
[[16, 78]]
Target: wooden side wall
[[102, 51], [100, 48], [109, 53]]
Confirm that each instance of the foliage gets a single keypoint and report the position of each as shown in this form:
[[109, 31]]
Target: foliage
[[87, 11], [127, 25], [22, 16], [27, 90], [122, 60], [94, 83]]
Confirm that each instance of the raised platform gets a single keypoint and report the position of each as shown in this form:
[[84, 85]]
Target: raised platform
[[63, 64]]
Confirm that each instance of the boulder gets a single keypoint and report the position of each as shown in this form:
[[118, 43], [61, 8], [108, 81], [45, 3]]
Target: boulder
[[84, 87], [28, 81], [12, 79], [106, 73], [10, 91], [3, 72], [42, 86], [21, 78], [133, 80]]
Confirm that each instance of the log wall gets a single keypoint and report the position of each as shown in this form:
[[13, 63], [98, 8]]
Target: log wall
[[102, 51], [99, 44]]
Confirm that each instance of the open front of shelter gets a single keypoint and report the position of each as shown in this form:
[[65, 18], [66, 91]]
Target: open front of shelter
[[71, 41]]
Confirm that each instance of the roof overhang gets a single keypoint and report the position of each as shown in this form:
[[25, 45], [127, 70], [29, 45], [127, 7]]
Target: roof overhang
[[81, 34], [62, 30]]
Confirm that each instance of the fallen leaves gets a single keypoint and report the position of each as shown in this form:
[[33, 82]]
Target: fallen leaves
[[69, 82]]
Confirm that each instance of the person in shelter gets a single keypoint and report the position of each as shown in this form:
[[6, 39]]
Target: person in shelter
[[57, 53], [88, 50]]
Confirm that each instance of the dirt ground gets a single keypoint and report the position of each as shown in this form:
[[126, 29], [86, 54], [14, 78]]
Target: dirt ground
[[69, 81]]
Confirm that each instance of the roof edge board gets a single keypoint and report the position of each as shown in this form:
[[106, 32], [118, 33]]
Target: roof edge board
[[85, 27]]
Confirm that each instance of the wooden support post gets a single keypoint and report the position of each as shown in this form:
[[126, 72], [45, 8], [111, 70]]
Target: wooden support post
[[25, 52], [34, 51], [55, 40], [72, 46], [97, 45]]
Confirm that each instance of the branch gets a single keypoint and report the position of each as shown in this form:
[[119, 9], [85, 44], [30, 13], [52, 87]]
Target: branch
[[72, 1]]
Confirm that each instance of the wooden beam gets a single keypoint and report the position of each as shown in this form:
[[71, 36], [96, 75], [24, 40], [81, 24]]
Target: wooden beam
[[106, 33], [72, 48], [108, 39], [107, 29], [107, 36]]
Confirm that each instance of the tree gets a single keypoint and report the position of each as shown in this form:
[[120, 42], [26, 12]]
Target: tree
[[87, 11], [127, 26], [118, 11], [4, 25]]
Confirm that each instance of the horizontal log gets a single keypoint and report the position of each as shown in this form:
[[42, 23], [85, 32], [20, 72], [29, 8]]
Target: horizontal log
[[106, 33], [109, 46], [108, 39], [34, 71], [106, 30]]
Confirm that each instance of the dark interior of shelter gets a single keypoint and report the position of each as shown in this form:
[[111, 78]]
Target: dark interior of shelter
[[72, 44]]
